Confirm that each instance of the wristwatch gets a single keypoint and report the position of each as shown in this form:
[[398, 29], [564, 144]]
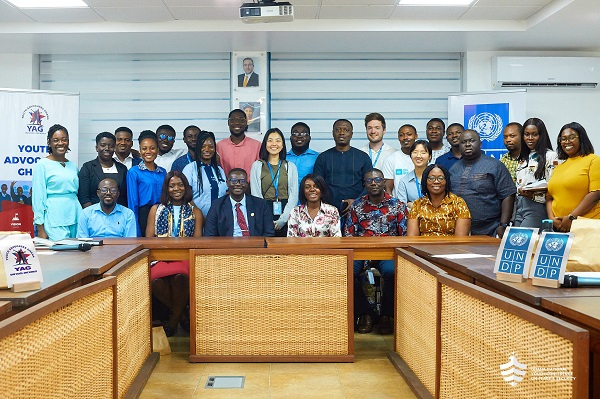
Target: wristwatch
[[571, 217]]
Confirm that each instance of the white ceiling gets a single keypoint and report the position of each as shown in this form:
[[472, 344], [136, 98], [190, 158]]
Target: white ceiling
[[146, 26]]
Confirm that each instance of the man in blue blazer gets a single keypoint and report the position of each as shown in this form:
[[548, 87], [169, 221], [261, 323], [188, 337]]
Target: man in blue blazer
[[239, 214]]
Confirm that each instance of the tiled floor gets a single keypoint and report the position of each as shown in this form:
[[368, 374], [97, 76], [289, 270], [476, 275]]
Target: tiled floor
[[370, 376]]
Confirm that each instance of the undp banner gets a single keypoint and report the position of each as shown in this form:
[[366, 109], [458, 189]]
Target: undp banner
[[487, 113], [25, 117]]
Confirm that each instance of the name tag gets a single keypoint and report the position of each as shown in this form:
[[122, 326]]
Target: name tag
[[277, 208]]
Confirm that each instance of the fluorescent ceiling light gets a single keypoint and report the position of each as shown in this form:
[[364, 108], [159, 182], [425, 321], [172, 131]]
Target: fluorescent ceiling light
[[48, 3], [435, 2]]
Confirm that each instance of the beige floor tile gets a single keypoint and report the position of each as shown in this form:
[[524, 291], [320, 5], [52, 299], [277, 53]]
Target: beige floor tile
[[236, 368], [167, 392], [322, 393], [398, 392], [303, 382], [230, 394], [304, 368], [176, 380]]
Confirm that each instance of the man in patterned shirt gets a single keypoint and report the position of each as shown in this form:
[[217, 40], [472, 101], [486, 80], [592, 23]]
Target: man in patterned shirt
[[512, 142], [375, 214]]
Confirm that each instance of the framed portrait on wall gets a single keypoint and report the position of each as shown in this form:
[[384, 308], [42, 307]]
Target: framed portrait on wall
[[249, 88]]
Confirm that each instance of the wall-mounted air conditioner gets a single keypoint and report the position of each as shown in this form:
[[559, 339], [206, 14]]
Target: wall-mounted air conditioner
[[553, 72]]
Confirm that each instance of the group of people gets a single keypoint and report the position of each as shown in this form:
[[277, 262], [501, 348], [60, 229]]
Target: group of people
[[242, 187], [10, 195]]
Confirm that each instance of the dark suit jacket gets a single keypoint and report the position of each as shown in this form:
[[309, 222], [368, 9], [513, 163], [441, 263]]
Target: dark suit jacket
[[91, 174], [219, 221], [252, 80], [135, 161]]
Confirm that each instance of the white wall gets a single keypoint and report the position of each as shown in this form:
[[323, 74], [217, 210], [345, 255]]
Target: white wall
[[19, 71], [555, 107]]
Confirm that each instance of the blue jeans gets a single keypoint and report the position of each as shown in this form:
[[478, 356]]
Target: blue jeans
[[361, 303]]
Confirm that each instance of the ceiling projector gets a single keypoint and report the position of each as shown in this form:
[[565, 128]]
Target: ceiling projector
[[266, 11]]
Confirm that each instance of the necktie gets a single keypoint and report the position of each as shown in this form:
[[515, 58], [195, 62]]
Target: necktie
[[245, 80], [242, 221]]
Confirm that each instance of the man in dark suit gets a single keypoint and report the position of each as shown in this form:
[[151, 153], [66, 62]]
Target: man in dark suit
[[248, 78], [239, 214]]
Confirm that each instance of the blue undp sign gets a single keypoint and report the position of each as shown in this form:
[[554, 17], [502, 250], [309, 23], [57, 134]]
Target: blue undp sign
[[551, 258], [488, 120], [514, 254]]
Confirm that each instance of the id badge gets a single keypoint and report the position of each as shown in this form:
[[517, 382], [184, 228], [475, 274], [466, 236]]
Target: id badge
[[370, 276], [277, 208]]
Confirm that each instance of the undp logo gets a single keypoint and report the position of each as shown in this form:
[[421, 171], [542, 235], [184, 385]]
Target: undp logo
[[488, 120], [488, 125]]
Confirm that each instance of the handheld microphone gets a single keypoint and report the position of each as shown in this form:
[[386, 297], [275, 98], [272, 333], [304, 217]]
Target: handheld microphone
[[572, 281], [63, 247]]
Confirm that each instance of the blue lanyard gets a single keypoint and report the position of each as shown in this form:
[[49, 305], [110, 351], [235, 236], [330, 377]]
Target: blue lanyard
[[377, 157], [275, 178], [418, 186]]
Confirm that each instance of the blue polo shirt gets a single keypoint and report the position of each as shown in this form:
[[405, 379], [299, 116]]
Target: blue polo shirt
[[93, 222], [447, 160], [304, 162]]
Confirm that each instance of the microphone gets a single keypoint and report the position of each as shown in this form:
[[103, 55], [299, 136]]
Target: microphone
[[64, 247], [572, 281]]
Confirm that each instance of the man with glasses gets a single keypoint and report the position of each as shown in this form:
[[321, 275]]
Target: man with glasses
[[453, 137], [124, 153], [107, 218], [486, 186], [301, 155], [435, 136], [343, 167], [238, 150], [376, 214], [166, 153], [239, 214]]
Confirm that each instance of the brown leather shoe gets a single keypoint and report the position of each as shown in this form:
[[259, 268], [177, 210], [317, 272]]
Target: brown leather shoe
[[365, 324], [385, 325]]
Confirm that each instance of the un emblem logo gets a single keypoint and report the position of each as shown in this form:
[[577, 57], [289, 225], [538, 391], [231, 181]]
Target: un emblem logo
[[554, 244], [488, 125], [518, 239]]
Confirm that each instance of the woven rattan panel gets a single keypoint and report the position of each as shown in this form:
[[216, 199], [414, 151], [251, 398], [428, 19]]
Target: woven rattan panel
[[133, 322], [416, 312], [273, 305], [65, 354], [477, 338]]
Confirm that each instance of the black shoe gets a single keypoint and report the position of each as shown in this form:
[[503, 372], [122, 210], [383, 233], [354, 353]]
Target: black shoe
[[385, 325], [365, 324]]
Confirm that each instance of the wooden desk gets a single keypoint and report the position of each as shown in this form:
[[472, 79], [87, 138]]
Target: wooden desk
[[66, 270], [5, 306], [371, 248], [177, 248]]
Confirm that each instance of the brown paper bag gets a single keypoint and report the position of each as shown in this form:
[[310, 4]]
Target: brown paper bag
[[586, 246], [160, 342]]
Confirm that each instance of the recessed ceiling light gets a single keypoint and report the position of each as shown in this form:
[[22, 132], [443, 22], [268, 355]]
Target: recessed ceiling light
[[48, 3], [435, 2]]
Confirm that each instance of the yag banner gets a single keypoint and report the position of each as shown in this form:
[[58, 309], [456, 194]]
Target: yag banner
[[488, 113], [26, 116]]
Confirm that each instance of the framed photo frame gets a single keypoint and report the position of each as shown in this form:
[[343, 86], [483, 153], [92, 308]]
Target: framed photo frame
[[249, 88]]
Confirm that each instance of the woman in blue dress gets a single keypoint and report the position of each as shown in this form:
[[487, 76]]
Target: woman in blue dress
[[55, 183], [205, 175]]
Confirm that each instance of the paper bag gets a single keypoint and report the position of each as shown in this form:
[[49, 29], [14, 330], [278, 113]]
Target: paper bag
[[160, 342], [586, 246], [19, 262]]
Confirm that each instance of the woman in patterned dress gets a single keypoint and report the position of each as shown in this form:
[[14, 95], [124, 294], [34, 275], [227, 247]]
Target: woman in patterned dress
[[175, 216], [314, 217], [438, 212]]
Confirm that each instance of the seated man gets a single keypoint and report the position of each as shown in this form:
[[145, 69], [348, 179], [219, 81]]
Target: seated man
[[375, 214], [238, 214], [107, 218]]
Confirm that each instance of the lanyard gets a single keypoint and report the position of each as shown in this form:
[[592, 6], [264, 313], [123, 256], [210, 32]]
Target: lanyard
[[418, 186], [378, 154], [275, 178]]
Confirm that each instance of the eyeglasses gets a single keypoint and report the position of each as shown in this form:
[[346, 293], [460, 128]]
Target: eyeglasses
[[378, 180], [105, 190], [300, 134], [233, 180], [570, 138], [165, 137], [436, 178], [237, 120]]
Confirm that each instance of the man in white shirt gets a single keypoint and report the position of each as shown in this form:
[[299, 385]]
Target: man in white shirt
[[436, 129], [166, 153], [124, 153], [377, 150], [399, 163]]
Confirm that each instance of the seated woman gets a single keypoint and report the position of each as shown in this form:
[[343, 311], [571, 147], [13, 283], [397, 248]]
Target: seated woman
[[314, 217], [574, 188], [175, 216], [438, 212]]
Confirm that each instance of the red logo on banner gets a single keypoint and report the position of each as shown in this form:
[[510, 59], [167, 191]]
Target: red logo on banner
[[16, 217]]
